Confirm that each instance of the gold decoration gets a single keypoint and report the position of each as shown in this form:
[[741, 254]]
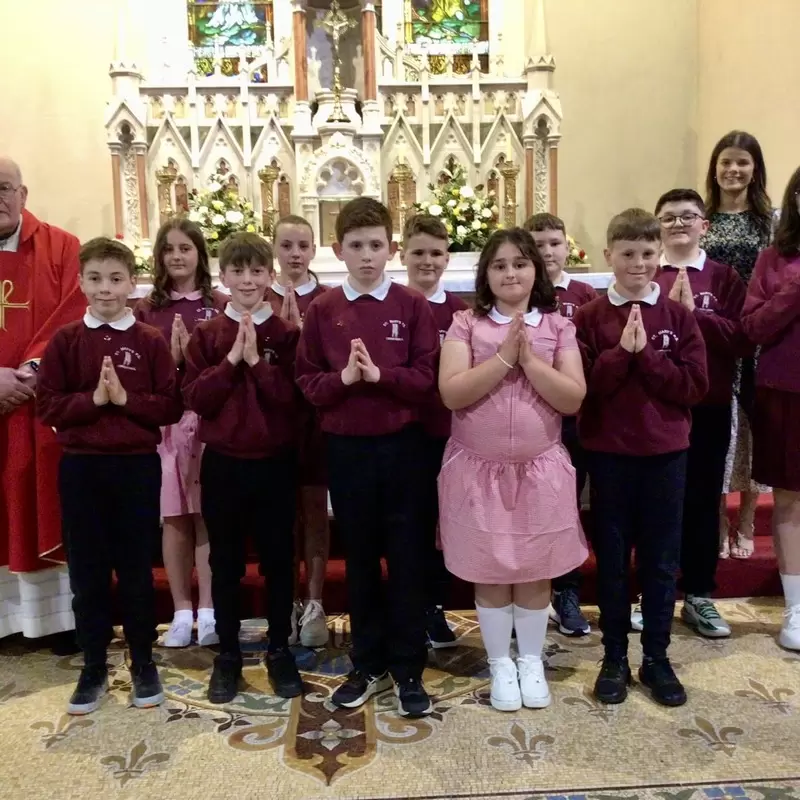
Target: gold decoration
[[337, 23], [268, 175], [6, 290], [166, 177], [402, 174], [509, 170]]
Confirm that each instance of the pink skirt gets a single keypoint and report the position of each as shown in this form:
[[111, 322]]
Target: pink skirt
[[509, 522], [776, 439], [181, 452]]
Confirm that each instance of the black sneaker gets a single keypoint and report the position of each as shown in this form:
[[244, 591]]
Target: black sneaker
[[613, 681], [412, 699], [224, 683], [439, 633], [147, 689], [92, 685], [659, 677], [566, 613], [283, 674], [359, 687]]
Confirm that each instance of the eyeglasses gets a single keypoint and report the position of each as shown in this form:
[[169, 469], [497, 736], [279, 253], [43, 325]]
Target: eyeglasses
[[7, 189], [687, 219]]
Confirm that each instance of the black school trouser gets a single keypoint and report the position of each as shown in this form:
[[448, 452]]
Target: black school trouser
[[110, 506], [377, 490], [437, 578], [569, 437], [705, 476], [637, 501], [255, 498]]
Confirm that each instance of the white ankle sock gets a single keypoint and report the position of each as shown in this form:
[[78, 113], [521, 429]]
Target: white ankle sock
[[531, 627], [496, 625], [184, 615], [205, 613], [791, 589]]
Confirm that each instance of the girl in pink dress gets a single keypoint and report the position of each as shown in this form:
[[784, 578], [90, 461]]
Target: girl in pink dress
[[510, 368], [181, 297]]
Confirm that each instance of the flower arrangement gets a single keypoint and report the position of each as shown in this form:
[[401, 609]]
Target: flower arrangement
[[219, 211], [576, 256], [144, 258], [469, 215]]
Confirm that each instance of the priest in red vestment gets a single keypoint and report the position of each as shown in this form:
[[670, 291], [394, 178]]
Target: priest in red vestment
[[39, 293]]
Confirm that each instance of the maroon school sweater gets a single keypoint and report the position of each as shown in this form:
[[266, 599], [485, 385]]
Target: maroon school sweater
[[572, 295], [771, 318], [69, 374], [638, 403], [435, 417], [718, 293], [274, 297], [191, 307], [399, 332], [245, 412]]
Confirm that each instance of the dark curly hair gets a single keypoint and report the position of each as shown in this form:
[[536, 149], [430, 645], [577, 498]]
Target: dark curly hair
[[543, 294], [159, 296], [787, 237]]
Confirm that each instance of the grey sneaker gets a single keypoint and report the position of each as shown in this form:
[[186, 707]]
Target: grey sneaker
[[701, 614], [637, 620]]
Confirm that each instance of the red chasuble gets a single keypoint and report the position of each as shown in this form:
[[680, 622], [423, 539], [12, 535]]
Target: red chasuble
[[39, 293]]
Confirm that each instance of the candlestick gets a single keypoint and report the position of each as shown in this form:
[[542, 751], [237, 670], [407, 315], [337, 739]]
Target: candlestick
[[268, 175]]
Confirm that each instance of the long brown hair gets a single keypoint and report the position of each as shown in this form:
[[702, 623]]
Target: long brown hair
[[293, 219], [787, 237], [757, 198], [543, 294], [159, 296]]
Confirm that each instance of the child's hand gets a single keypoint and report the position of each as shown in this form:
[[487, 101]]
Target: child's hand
[[115, 390], [687, 296], [100, 396], [250, 346], [352, 372], [676, 292], [509, 349], [289, 309], [371, 373], [628, 339], [179, 340], [639, 332], [527, 357], [237, 351]]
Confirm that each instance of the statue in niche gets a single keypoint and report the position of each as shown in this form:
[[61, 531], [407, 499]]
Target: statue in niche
[[388, 107], [179, 108], [438, 105], [157, 108], [314, 66], [352, 75], [411, 106], [284, 197], [181, 196], [231, 107], [461, 104], [493, 183], [211, 110]]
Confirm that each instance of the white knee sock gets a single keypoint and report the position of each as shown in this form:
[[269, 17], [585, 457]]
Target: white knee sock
[[791, 589], [496, 625], [531, 627]]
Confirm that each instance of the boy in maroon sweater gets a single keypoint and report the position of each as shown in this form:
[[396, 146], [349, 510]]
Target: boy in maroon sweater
[[425, 256], [240, 382], [366, 360], [714, 294], [646, 366], [107, 384], [550, 235]]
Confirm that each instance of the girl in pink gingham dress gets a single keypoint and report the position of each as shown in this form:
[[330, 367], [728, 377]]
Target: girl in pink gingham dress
[[509, 522]]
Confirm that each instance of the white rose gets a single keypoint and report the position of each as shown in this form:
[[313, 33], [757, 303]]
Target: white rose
[[217, 219], [234, 217], [476, 224], [203, 210], [195, 216], [214, 186], [451, 203], [217, 204], [486, 213], [466, 191], [476, 207], [461, 231], [435, 210], [495, 210]]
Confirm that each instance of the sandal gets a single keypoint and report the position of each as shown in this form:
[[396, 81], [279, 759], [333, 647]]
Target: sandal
[[724, 546], [743, 546], [724, 532]]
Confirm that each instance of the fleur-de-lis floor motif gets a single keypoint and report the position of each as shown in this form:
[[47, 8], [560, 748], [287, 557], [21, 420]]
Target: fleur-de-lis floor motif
[[55, 732], [125, 768], [592, 705], [774, 698], [11, 692], [720, 741], [521, 744]]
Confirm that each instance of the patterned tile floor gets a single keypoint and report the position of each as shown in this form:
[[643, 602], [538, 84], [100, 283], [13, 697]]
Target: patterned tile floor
[[738, 737]]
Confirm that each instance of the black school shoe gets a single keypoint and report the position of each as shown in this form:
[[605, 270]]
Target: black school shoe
[[611, 686], [359, 687], [412, 699], [225, 677], [91, 688], [659, 677], [283, 673], [440, 634], [147, 689]]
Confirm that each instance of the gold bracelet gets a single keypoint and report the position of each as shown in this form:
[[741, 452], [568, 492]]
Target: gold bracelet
[[510, 366]]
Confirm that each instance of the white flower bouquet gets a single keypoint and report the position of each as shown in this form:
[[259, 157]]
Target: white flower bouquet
[[469, 215], [219, 211]]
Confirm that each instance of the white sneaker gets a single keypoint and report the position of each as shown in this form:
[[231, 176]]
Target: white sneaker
[[313, 625], [533, 684], [206, 631], [297, 611], [505, 694], [790, 632], [179, 633], [701, 614], [637, 620]]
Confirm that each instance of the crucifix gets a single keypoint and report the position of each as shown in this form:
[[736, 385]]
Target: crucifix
[[6, 290], [336, 23]]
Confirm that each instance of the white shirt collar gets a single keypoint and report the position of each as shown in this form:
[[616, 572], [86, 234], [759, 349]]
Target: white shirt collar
[[262, 315], [697, 264], [616, 299], [197, 294], [379, 292], [563, 282], [11, 245], [122, 324], [439, 296], [302, 290], [532, 318]]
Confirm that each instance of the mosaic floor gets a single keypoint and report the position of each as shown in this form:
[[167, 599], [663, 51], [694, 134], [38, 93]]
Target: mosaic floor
[[738, 737]]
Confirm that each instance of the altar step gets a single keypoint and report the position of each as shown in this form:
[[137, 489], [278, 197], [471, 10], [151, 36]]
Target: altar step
[[754, 577]]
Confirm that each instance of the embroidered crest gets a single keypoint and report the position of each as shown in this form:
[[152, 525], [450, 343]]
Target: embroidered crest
[[129, 358], [706, 301], [395, 326], [664, 339]]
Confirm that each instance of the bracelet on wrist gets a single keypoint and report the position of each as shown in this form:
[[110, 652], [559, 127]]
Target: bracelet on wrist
[[510, 366]]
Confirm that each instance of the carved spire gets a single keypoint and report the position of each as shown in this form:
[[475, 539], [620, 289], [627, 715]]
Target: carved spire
[[541, 59]]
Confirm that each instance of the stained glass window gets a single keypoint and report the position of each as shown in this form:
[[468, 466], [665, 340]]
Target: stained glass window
[[447, 26]]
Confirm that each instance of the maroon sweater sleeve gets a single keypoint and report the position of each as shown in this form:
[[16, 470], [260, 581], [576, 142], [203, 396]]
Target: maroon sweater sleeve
[[162, 406], [275, 382], [321, 386], [606, 371], [208, 381], [767, 314], [682, 379], [55, 406], [415, 383], [722, 331]]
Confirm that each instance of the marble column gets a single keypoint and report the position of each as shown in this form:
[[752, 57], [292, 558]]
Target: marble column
[[300, 56], [368, 28], [116, 184], [553, 177], [141, 176]]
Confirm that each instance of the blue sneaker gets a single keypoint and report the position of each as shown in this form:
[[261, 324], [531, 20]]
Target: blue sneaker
[[566, 613]]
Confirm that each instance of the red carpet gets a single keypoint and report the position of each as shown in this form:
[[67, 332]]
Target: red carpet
[[754, 577]]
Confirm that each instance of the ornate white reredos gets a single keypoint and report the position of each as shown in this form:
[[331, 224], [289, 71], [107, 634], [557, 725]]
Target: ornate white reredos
[[170, 125]]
